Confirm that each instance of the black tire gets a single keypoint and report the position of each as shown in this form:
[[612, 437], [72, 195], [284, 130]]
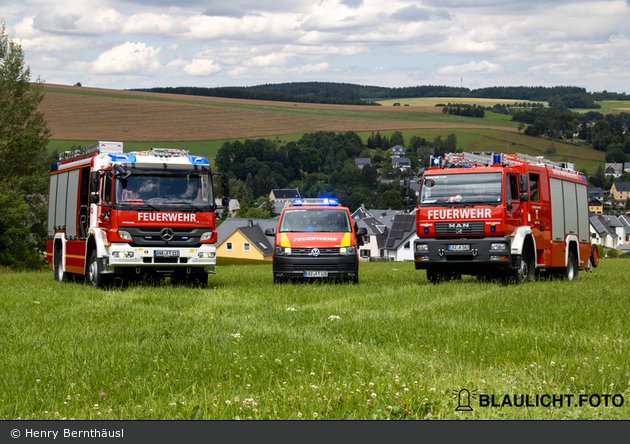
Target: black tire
[[527, 270], [60, 275], [432, 276], [572, 269], [94, 275], [594, 256]]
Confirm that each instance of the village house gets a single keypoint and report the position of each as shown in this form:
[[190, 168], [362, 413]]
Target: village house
[[240, 238], [620, 191], [284, 195]]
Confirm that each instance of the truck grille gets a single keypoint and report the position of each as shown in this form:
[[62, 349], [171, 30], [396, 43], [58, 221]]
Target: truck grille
[[459, 228], [151, 236], [307, 251]]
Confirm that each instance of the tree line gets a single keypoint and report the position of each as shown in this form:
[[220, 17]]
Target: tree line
[[255, 94], [347, 93]]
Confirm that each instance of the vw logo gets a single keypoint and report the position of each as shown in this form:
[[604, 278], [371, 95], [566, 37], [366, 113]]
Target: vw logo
[[315, 252], [167, 234]]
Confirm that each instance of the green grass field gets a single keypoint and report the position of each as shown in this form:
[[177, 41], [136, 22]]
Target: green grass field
[[392, 347]]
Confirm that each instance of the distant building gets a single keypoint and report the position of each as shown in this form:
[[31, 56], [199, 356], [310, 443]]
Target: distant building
[[360, 162], [397, 151], [620, 191], [233, 207], [613, 169], [595, 206], [403, 163], [596, 193], [399, 244], [240, 238], [284, 195]]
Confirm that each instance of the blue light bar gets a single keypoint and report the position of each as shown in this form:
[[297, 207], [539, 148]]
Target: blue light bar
[[497, 158], [324, 201], [198, 160], [120, 157], [436, 161]]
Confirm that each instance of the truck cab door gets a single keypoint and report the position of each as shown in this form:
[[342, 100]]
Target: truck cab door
[[514, 207]]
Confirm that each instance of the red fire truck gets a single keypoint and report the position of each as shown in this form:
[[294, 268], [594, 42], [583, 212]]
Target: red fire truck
[[502, 216], [131, 215]]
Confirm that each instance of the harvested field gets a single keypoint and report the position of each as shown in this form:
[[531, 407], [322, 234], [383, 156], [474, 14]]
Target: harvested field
[[78, 113]]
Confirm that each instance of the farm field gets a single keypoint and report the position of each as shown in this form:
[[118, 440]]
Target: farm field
[[392, 347], [612, 106], [77, 113], [433, 101], [80, 115]]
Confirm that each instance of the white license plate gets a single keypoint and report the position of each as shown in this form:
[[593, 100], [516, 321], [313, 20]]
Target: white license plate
[[458, 247], [315, 274], [166, 253]]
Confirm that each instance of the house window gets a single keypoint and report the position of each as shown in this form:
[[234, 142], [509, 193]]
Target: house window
[[407, 245], [228, 246], [246, 247], [365, 253]]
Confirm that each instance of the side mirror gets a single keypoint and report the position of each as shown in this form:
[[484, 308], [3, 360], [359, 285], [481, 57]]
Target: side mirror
[[225, 185], [360, 233], [121, 173], [94, 198], [95, 181], [270, 232], [225, 202], [406, 198], [523, 197], [523, 185]]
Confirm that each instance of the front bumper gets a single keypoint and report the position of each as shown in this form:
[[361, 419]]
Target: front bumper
[[468, 256], [293, 267], [121, 258]]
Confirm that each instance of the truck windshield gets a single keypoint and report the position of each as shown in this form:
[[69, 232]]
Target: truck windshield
[[316, 221], [191, 192], [461, 189]]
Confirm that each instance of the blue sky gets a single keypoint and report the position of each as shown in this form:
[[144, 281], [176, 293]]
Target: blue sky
[[475, 43]]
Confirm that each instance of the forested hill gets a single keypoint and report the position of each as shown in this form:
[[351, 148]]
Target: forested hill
[[348, 93]]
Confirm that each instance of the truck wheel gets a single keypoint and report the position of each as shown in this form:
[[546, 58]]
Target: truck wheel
[[594, 256], [95, 275], [571, 271], [527, 270], [59, 273]]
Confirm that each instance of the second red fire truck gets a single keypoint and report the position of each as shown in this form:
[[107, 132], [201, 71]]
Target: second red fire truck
[[502, 216]]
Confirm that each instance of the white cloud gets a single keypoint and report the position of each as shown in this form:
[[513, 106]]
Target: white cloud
[[201, 67], [128, 58], [483, 67]]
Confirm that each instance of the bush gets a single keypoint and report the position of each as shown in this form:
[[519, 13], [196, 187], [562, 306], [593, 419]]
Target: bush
[[613, 253]]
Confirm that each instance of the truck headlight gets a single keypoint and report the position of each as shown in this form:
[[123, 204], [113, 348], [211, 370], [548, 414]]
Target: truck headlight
[[422, 247], [122, 254], [283, 251], [348, 251], [206, 236], [499, 246], [124, 235], [206, 255]]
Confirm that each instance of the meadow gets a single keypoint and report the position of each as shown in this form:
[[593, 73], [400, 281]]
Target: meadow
[[392, 347]]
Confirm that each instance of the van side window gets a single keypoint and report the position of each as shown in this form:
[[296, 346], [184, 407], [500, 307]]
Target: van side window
[[534, 194]]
